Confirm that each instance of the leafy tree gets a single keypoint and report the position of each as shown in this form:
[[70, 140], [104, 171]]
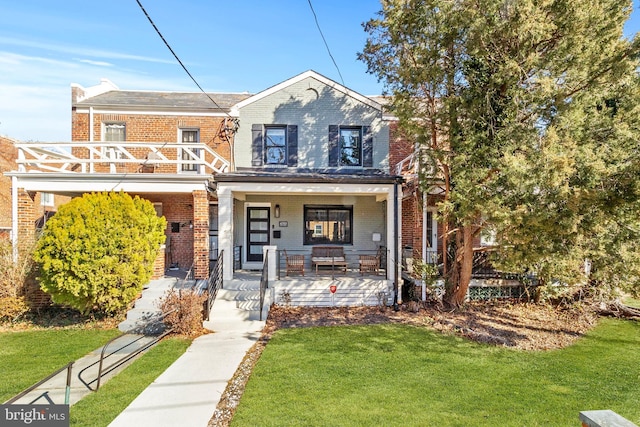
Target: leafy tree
[[527, 111], [98, 251]]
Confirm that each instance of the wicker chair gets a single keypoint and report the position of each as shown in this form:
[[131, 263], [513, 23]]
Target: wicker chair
[[294, 263]]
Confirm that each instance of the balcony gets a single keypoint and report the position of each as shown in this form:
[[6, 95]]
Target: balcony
[[119, 158]]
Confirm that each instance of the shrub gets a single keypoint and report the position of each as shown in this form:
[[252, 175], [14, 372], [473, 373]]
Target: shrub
[[183, 311], [98, 251], [15, 278]]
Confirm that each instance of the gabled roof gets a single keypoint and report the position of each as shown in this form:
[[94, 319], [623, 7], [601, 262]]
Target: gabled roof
[[164, 100], [310, 73]]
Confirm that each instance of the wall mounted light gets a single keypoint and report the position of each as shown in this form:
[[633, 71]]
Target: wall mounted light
[[276, 211]]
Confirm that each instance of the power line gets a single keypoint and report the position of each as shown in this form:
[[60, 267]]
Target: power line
[[176, 56], [325, 41]]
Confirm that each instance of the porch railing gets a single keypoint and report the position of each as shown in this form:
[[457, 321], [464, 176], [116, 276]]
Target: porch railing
[[119, 157], [264, 281], [352, 258], [214, 283]]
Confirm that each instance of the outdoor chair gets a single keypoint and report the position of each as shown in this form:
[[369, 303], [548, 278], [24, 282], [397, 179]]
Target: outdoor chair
[[370, 263], [294, 263]]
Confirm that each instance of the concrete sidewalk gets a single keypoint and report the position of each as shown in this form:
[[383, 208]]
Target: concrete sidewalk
[[187, 393]]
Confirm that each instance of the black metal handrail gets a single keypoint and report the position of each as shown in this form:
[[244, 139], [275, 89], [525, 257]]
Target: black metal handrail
[[214, 283], [264, 281], [68, 367], [102, 371]]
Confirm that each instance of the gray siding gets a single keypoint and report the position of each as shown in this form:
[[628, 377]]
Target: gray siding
[[312, 106]]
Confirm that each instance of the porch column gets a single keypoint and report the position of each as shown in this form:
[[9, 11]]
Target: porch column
[[394, 238], [200, 234], [25, 230], [225, 230]]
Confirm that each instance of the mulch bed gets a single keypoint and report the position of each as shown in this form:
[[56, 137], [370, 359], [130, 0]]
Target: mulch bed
[[519, 326]]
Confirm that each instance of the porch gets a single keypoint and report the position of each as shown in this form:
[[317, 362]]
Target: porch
[[322, 290]]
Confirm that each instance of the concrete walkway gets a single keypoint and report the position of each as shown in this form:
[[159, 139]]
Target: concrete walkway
[[187, 393]]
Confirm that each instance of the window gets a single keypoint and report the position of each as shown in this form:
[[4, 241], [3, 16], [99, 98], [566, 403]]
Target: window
[[190, 154], [113, 132], [350, 147], [328, 224], [46, 199], [275, 146]]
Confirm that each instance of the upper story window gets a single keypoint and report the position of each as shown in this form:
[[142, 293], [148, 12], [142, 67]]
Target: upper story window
[[190, 155], [350, 146], [114, 132], [274, 145]]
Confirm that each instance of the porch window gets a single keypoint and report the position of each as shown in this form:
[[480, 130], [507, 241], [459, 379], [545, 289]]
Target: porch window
[[328, 225]]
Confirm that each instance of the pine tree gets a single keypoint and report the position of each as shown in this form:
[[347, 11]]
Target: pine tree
[[528, 111]]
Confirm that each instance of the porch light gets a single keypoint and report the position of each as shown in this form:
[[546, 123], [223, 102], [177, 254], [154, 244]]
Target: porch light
[[276, 211]]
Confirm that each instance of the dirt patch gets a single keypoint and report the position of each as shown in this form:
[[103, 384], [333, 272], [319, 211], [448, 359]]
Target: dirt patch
[[519, 326]]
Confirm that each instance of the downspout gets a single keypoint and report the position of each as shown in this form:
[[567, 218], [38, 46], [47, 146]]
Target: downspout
[[425, 227], [396, 264], [14, 217]]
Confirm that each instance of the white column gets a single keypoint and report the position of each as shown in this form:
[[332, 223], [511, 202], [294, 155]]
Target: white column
[[14, 217], [225, 233]]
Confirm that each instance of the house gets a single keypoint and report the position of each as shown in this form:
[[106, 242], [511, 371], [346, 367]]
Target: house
[[301, 165], [44, 205]]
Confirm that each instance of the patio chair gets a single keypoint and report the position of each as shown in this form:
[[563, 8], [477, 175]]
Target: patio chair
[[370, 264], [294, 263]]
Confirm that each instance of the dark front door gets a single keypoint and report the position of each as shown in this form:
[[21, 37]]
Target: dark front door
[[257, 232]]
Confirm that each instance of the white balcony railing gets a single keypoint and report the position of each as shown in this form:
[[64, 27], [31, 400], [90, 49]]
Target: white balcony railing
[[119, 157]]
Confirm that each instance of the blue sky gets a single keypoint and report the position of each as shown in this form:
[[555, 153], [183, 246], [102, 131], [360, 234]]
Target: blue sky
[[231, 46]]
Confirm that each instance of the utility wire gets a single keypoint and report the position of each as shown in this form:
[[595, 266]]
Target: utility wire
[[325, 41], [176, 56]]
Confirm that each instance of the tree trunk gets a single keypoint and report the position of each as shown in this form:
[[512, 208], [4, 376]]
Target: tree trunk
[[461, 267]]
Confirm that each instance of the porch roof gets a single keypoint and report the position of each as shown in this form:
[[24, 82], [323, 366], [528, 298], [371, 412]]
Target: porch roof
[[308, 177]]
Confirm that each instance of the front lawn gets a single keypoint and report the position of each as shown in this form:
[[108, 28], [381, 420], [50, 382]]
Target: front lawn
[[405, 375], [99, 409], [28, 356]]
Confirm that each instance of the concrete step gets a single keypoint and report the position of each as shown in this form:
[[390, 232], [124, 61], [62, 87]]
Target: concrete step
[[241, 285], [233, 295]]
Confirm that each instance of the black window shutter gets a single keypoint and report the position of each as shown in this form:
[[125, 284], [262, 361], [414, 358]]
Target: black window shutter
[[367, 147], [292, 145], [256, 145], [334, 145]]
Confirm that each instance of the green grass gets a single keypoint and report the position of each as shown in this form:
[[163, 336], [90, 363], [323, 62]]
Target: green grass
[[26, 357], [633, 302], [399, 375], [99, 409]]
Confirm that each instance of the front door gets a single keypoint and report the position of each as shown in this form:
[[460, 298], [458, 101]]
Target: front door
[[257, 232]]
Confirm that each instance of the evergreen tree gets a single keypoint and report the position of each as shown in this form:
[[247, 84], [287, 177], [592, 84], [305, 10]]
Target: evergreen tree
[[528, 112], [98, 251]]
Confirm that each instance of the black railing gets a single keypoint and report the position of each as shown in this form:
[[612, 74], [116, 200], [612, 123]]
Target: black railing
[[264, 281], [237, 258], [214, 283], [102, 370], [67, 394], [351, 257]]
